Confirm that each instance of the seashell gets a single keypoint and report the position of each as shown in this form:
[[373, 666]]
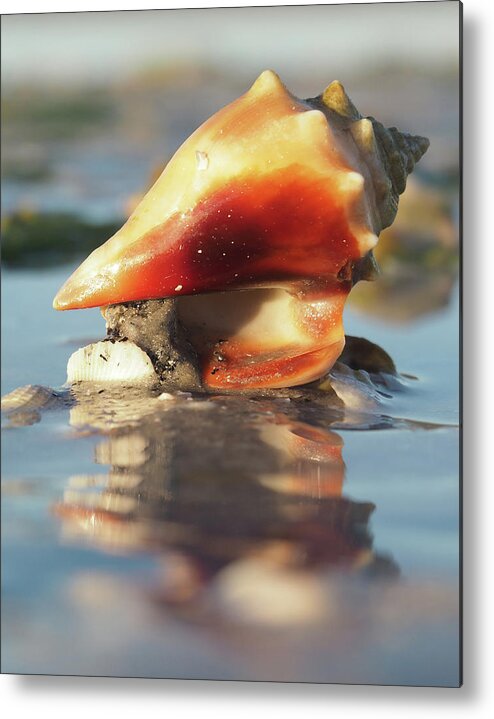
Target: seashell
[[355, 388], [30, 397], [111, 362], [260, 224]]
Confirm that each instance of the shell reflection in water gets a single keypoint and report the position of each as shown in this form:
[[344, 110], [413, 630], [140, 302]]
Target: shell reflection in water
[[247, 515]]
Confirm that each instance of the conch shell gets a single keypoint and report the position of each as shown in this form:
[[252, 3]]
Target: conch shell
[[278, 199]]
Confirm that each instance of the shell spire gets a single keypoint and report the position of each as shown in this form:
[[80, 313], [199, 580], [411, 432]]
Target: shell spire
[[390, 154], [399, 153]]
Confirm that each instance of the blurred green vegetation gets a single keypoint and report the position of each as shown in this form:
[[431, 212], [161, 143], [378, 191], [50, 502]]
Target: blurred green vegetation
[[47, 239], [56, 114], [20, 170]]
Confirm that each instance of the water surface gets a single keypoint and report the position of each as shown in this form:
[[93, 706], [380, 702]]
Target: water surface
[[226, 537]]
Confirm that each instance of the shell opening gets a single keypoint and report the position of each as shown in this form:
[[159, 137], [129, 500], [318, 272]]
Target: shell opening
[[267, 337]]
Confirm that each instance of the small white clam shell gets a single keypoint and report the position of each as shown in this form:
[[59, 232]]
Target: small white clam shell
[[29, 397], [355, 388], [111, 362]]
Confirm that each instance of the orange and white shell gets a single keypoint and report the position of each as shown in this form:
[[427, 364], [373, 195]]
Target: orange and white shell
[[260, 223]]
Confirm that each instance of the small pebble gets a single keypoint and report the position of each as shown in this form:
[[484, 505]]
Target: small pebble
[[166, 397]]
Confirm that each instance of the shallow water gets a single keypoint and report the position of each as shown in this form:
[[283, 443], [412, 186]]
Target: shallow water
[[226, 537]]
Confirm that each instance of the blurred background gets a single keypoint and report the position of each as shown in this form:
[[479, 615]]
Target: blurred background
[[94, 104], [230, 542]]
